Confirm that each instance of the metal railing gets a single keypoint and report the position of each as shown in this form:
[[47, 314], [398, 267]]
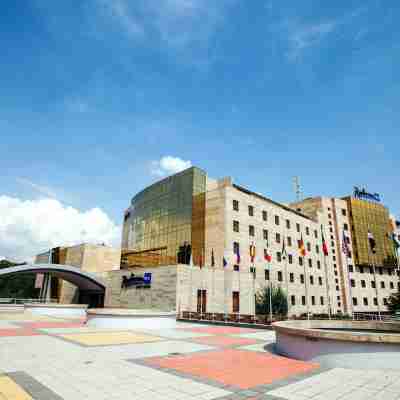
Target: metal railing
[[16, 301]]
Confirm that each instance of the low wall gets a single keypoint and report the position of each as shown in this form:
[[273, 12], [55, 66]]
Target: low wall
[[57, 310], [362, 348]]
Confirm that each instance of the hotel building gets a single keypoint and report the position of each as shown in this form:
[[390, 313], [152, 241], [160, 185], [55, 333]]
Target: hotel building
[[362, 281], [217, 219]]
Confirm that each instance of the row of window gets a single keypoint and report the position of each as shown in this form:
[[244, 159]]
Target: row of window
[[373, 284], [303, 300], [292, 277], [365, 301], [235, 205], [380, 270]]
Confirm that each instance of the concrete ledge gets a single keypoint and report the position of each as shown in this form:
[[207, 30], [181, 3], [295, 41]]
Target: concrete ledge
[[57, 310], [130, 319], [318, 341]]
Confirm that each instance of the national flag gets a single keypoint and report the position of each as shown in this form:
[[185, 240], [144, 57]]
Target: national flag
[[284, 252], [345, 245], [395, 240], [371, 241], [252, 252], [224, 262], [267, 256], [237, 253], [302, 249], [201, 260], [212, 258], [324, 245]]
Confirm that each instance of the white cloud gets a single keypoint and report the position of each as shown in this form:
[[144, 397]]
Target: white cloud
[[303, 37], [45, 190], [28, 227], [169, 165]]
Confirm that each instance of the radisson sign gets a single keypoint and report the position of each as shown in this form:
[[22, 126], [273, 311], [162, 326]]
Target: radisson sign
[[362, 194]]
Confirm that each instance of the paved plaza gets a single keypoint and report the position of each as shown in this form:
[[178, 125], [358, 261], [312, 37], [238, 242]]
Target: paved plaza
[[47, 358]]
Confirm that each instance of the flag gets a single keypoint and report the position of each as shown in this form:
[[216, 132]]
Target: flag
[[252, 252], [345, 245], [324, 245], [212, 258], [371, 241], [237, 253], [284, 252], [267, 257], [224, 262], [395, 240], [302, 249]]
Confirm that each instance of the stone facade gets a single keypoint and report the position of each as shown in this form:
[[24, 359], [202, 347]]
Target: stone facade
[[161, 295]]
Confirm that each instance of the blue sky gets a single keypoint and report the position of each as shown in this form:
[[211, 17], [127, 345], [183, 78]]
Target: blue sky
[[95, 93]]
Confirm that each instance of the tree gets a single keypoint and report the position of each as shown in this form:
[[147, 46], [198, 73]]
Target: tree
[[19, 286], [394, 303], [279, 301]]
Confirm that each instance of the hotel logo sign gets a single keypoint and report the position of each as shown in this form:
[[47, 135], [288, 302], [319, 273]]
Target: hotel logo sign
[[362, 194]]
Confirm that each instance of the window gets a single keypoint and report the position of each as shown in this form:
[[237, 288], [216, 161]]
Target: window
[[276, 219], [345, 227], [333, 257], [265, 234], [298, 227], [290, 258], [266, 275], [375, 301], [316, 234], [311, 280], [329, 215], [385, 302], [391, 285], [371, 270], [318, 264], [352, 283], [280, 276], [235, 204], [236, 248], [291, 277], [382, 285], [236, 267], [264, 215], [336, 281], [307, 230], [330, 230], [251, 230], [320, 280], [279, 256], [363, 284], [251, 211], [310, 262], [300, 260], [317, 249], [335, 272], [373, 285], [339, 304], [365, 301], [344, 212], [278, 237], [354, 301], [235, 226], [389, 272], [361, 270], [333, 252], [235, 302], [321, 300], [289, 241], [303, 300], [308, 246], [287, 224], [351, 268], [313, 300], [337, 288], [380, 271], [293, 300], [301, 278]]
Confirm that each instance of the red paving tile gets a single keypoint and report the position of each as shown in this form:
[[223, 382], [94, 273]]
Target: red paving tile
[[49, 324], [220, 330], [240, 368], [224, 341], [18, 332]]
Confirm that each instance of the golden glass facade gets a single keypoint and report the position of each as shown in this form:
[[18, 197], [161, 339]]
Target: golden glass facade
[[159, 220], [364, 216]]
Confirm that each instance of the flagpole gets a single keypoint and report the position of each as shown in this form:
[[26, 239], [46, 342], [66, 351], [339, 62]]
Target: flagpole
[[350, 291], [327, 288], [270, 294], [374, 270], [305, 287]]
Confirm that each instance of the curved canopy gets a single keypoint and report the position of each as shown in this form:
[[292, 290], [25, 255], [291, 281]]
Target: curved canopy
[[79, 278]]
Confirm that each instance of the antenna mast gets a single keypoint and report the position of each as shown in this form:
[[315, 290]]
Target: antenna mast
[[297, 187]]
